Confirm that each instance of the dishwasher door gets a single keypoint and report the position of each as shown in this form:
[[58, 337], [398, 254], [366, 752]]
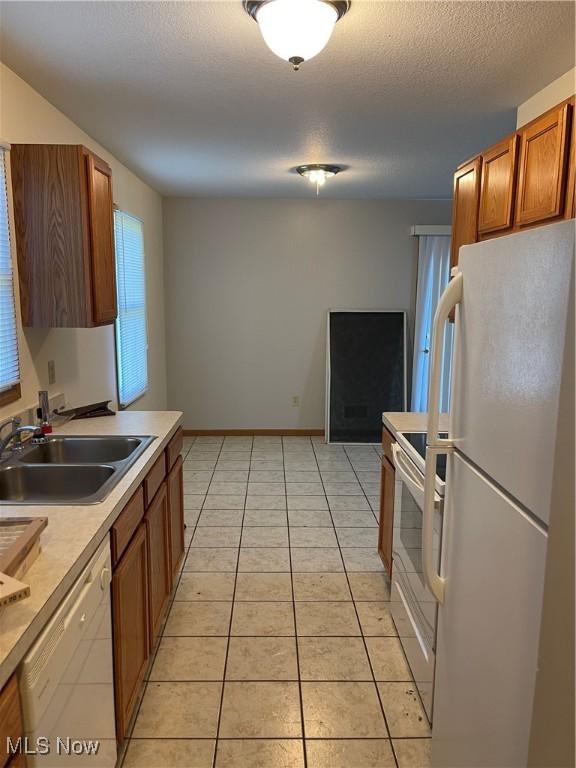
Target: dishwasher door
[[66, 680]]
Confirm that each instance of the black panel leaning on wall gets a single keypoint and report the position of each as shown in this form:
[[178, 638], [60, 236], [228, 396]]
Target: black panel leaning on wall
[[367, 372]]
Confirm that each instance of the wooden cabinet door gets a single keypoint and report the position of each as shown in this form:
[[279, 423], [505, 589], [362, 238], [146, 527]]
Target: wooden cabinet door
[[130, 627], [49, 194], [103, 258], [175, 484], [159, 577], [465, 206], [386, 523], [498, 185], [543, 167], [570, 207], [10, 722]]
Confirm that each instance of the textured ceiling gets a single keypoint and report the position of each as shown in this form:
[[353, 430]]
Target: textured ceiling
[[188, 95]]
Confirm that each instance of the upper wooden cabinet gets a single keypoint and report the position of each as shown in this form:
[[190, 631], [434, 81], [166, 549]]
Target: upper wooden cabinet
[[497, 186], [527, 179], [465, 206], [543, 166], [64, 236], [570, 207], [103, 260]]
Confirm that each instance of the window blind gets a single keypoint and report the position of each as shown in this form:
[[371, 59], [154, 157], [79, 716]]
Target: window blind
[[131, 334], [9, 363]]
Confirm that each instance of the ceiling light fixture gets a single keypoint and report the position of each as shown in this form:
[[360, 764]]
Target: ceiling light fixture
[[317, 173], [296, 30]]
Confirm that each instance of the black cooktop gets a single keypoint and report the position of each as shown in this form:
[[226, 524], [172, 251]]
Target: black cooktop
[[418, 441]]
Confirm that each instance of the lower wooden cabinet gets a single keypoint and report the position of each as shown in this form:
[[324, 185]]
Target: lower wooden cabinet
[[157, 520], [175, 486], [149, 546], [10, 724], [131, 627]]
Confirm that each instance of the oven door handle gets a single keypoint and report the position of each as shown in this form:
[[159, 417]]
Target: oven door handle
[[410, 475]]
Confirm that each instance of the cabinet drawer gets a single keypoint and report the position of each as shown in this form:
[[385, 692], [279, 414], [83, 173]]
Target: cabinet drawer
[[173, 449], [10, 720], [387, 440], [128, 521], [153, 479]]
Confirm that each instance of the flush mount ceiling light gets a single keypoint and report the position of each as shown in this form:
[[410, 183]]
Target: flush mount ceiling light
[[317, 173], [296, 30]]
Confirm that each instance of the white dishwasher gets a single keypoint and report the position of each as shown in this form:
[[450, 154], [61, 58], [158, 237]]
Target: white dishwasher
[[66, 680]]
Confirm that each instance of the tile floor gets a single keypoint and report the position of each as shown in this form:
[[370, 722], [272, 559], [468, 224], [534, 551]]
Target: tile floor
[[279, 650]]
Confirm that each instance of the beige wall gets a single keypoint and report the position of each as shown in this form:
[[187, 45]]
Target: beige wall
[[554, 93], [248, 284], [85, 362]]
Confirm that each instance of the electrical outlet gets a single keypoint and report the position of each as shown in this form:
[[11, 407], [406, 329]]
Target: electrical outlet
[[296, 401], [51, 372]]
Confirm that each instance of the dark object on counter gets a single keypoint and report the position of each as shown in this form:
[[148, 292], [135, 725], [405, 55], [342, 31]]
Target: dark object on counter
[[89, 411]]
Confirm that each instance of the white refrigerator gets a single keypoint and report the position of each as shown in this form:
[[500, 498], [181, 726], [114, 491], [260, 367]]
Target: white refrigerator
[[512, 313]]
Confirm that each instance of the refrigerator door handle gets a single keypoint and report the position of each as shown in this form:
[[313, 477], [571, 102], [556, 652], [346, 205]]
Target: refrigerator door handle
[[452, 295], [436, 445]]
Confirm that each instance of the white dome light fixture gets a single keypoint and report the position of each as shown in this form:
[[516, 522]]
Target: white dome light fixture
[[296, 30], [318, 173]]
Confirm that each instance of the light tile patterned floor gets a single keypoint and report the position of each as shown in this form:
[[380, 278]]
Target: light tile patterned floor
[[279, 650]]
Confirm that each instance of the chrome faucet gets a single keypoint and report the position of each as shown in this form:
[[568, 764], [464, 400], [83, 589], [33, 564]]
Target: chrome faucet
[[14, 421], [15, 435]]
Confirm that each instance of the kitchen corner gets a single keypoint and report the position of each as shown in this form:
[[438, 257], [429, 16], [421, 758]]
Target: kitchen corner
[[75, 532]]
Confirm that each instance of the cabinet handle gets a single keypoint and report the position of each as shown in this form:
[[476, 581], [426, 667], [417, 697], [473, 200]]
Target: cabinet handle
[[104, 578]]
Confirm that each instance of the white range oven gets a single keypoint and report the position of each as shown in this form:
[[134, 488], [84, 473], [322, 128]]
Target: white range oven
[[413, 606]]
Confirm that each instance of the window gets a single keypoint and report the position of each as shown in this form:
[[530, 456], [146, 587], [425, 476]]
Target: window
[[9, 363], [433, 277], [131, 336]]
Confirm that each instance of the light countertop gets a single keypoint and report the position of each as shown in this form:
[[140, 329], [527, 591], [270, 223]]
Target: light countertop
[[74, 532], [410, 421]]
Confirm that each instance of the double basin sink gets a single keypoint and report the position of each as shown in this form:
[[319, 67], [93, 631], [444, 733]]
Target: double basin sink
[[68, 470]]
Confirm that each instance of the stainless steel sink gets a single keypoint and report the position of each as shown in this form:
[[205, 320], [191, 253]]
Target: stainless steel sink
[[81, 450], [52, 485], [68, 470]]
